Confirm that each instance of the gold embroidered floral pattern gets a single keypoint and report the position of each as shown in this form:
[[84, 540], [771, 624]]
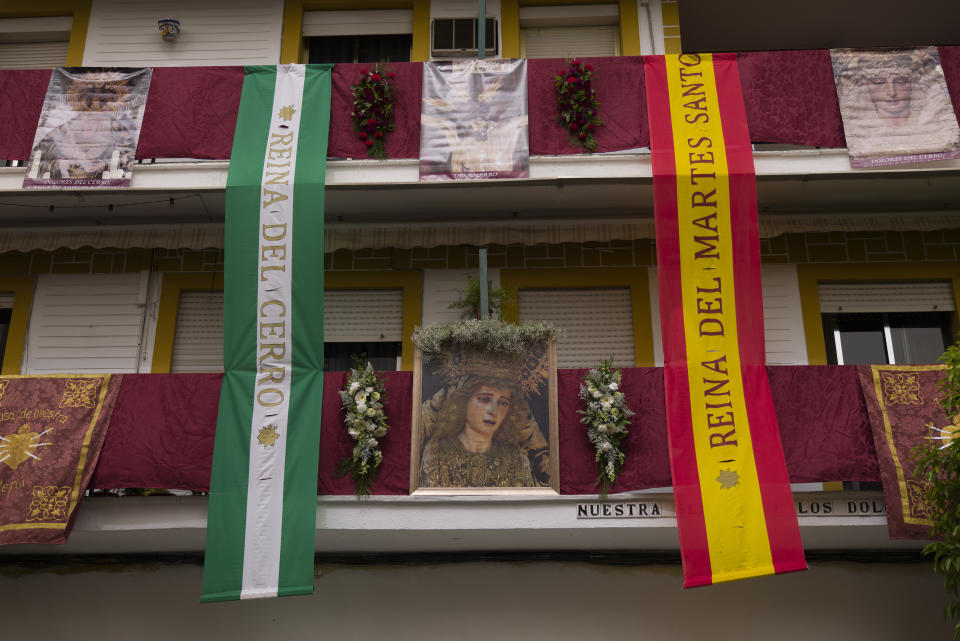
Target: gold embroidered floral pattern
[[3, 387], [901, 389], [80, 392], [49, 503], [920, 507]]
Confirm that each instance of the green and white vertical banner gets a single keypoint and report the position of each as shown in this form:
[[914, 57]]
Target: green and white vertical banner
[[261, 525]]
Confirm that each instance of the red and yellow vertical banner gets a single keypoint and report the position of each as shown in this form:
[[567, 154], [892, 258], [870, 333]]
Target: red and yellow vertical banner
[[734, 506]]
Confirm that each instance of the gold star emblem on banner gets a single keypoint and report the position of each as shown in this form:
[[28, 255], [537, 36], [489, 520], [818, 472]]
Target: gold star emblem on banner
[[728, 478], [268, 435], [287, 112]]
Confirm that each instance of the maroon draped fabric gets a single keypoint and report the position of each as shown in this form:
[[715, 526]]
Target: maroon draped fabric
[[191, 112], [336, 444], [161, 432], [950, 61], [791, 98], [21, 99], [618, 83], [406, 89]]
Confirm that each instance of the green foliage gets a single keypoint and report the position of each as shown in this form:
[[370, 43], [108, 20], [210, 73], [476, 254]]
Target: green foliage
[[493, 334], [939, 468], [469, 301]]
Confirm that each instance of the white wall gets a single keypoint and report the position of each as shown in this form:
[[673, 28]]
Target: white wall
[[86, 323], [123, 33], [479, 602], [782, 318]]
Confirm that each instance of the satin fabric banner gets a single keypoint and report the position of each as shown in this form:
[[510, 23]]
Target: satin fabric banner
[[261, 523], [735, 511]]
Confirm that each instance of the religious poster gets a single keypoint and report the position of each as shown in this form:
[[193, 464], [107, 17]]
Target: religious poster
[[485, 419], [904, 413], [473, 120], [895, 106], [51, 432], [89, 128]]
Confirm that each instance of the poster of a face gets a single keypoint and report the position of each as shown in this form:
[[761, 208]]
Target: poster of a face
[[895, 106], [485, 420], [89, 128], [473, 120]]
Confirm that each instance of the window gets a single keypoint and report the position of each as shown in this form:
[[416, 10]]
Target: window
[[458, 37], [16, 300], [570, 31], [5, 314], [904, 338], [617, 324], [34, 43], [340, 49], [358, 36]]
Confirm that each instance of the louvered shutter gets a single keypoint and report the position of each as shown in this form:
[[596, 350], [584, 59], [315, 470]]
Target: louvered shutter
[[598, 323], [6, 300], [357, 23], [570, 42], [33, 55], [901, 296], [360, 315], [198, 341]]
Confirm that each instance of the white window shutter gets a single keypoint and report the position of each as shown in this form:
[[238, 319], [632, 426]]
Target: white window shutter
[[897, 296], [598, 323], [33, 55], [362, 315], [571, 42], [198, 340]]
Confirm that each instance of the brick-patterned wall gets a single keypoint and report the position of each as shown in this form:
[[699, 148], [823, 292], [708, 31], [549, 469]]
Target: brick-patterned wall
[[823, 247], [111, 261]]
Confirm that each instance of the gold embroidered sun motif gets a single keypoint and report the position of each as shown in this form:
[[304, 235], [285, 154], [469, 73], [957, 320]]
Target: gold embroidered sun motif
[[268, 435], [286, 113], [902, 388], [22, 446], [80, 392], [728, 478]]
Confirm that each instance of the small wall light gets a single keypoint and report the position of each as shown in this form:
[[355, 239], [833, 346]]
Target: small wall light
[[169, 29]]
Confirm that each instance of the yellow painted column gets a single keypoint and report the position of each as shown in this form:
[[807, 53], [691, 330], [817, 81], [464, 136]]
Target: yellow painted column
[[510, 28], [22, 288], [78, 33], [629, 28], [421, 31], [291, 38]]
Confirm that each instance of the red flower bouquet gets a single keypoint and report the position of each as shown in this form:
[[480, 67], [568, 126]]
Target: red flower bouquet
[[578, 104], [373, 111]]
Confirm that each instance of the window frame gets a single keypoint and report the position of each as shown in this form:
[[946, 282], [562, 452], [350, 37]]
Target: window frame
[[79, 10], [809, 277], [635, 278], [629, 26], [410, 282], [23, 288]]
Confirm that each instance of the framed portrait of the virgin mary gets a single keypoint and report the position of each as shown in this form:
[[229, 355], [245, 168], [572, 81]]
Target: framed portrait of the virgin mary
[[485, 421]]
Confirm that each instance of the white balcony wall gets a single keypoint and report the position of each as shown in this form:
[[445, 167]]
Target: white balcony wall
[[86, 323], [782, 316], [215, 32]]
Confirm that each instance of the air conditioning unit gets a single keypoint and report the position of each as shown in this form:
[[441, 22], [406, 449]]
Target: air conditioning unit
[[457, 37]]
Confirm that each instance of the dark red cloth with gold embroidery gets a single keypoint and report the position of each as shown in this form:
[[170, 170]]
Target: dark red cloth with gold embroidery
[[51, 432]]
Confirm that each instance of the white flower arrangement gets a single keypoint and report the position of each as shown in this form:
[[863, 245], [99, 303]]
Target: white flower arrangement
[[362, 399], [607, 418]]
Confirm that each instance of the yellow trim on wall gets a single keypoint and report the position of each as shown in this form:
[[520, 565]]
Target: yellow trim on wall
[[291, 39], [513, 280], [510, 28], [810, 276], [22, 288], [411, 282], [79, 10], [171, 287]]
